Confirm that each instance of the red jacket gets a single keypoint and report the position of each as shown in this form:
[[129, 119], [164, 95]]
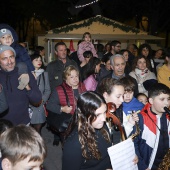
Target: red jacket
[[70, 93]]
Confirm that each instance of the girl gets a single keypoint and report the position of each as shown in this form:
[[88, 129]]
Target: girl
[[90, 71], [113, 91], [88, 138], [38, 115], [85, 45]]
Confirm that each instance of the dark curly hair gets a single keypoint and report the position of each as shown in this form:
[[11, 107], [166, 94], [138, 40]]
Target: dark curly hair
[[138, 58], [87, 104], [147, 46]]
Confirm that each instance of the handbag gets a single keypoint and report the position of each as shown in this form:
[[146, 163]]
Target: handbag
[[59, 122]]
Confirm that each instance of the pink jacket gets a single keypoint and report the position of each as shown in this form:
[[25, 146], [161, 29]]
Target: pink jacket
[[90, 83], [85, 46]]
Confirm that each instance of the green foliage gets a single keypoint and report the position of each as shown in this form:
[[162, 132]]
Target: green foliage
[[100, 19]]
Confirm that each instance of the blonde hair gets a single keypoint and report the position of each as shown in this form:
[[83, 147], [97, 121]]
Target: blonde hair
[[20, 142], [67, 71]]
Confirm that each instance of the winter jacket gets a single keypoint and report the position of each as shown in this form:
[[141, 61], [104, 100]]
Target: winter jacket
[[85, 46], [128, 108], [72, 153], [147, 142], [18, 100], [21, 53], [55, 71], [38, 115], [164, 75], [90, 83], [58, 98], [3, 101], [150, 75]]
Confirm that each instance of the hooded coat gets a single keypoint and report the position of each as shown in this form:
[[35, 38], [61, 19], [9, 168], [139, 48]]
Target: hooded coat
[[18, 100]]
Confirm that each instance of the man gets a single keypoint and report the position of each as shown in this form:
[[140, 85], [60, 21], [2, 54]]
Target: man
[[55, 71], [18, 100], [118, 64], [131, 49], [164, 71], [115, 47], [55, 68]]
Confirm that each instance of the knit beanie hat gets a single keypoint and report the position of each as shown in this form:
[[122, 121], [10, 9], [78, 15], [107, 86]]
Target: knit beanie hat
[[5, 48], [5, 31]]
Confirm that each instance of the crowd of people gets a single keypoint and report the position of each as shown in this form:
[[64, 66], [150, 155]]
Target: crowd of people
[[135, 82]]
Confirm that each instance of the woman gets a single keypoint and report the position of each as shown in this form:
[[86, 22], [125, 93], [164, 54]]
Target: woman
[[38, 116], [113, 91], [91, 69], [146, 50], [57, 102], [86, 146], [144, 77]]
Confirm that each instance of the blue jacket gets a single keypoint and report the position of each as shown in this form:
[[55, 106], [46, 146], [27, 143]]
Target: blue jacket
[[18, 100], [133, 105], [21, 52]]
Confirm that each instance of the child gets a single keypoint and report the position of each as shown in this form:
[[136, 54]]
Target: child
[[8, 36], [88, 139], [22, 148], [4, 125], [89, 74], [130, 105], [85, 45], [154, 140], [142, 98]]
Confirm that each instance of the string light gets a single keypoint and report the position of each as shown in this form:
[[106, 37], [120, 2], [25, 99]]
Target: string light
[[90, 3]]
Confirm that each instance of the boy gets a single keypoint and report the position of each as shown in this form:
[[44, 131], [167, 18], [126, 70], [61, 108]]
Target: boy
[[153, 142], [142, 98], [22, 148], [130, 105], [8, 36]]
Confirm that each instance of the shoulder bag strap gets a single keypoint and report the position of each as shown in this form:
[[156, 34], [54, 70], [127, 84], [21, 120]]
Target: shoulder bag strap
[[68, 102]]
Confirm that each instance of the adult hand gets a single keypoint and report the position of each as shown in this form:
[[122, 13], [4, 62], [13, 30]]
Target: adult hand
[[66, 109], [23, 81]]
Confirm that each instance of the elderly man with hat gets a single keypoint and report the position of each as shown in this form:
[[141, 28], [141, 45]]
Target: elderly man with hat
[[17, 99]]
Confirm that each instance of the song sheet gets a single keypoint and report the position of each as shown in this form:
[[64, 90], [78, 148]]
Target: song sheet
[[122, 155]]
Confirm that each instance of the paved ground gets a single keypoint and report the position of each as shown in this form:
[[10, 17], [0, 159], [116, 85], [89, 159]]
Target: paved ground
[[54, 153]]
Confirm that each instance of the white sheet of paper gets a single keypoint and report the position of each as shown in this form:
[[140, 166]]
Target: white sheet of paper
[[122, 155]]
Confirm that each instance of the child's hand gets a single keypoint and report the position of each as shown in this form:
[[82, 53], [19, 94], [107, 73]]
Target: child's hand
[[135, 160], [134, 118]]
